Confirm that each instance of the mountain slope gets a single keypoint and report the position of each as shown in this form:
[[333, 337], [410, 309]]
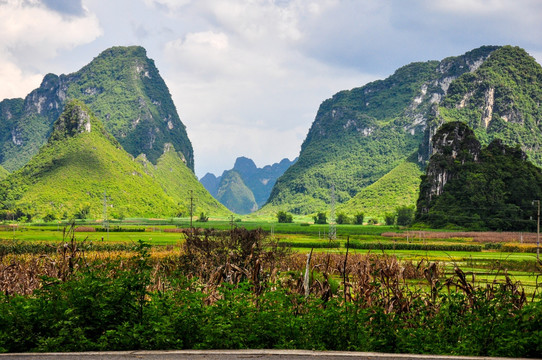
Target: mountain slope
[[261, 180], [399, 187], [179, 182], [81, 160], [501, 100], [258, 181], [3, 173], [125, 91], [360, 135], [234, 194]]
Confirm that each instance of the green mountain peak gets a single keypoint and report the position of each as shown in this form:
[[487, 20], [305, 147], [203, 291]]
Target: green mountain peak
[[121, 86], [360, 135]]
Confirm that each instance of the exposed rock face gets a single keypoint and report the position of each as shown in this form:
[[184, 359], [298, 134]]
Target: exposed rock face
[[499, 100], [480, 188], [453, 145], [74, 120]]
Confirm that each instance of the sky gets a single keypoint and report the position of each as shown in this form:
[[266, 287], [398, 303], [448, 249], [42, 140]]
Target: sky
[[247, 77]]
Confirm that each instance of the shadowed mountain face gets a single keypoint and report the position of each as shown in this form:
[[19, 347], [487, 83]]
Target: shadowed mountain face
[[121, 86], [484, 188], [360, 135], [246, 186]]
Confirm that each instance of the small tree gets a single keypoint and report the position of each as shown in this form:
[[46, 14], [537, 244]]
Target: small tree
[[83, 212], [358, 218], [320, 218], [405, 215], [372, 221], [342, 218], [203, 218], [389, 218], [284, 217], [49, 218]]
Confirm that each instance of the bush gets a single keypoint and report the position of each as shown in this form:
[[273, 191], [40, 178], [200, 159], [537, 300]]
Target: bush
[[203, 218], [342, 219], [389, 219], [83, 212], [405, 215], [49, 218], [284, 217], [358, 219], [320, 218]]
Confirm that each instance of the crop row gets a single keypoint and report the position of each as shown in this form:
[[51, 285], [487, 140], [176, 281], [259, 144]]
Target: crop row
[[382, 246]]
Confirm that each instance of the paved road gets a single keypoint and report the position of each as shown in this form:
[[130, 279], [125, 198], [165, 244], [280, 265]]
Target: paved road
[[232, 355]]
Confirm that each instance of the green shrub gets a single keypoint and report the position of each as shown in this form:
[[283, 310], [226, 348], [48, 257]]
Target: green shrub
[[342, 219], [320, 218], [404, 215], [284, 217], [202, 218], [389, 219], [410, 246], [358, 219]]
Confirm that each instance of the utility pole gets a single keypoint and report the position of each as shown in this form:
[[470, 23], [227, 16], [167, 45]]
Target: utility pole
[[332, 226], [105, 223], [537, 231], [191, 206]]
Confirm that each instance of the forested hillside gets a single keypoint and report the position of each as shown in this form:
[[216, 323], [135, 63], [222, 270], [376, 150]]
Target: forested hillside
[[121, 86], [484, 188], [360, 135]]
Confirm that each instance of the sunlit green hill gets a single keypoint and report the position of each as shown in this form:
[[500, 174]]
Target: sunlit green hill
[[80, 163], [180, 183], [399, 187]]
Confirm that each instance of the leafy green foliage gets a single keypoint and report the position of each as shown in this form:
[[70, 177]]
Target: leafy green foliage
[[389, 219], [203, 218], [342, 218], [358, 218], [404, 215], [284, 217], [320, 218], [109, 306]]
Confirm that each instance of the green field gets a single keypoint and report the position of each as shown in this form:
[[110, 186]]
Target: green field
[[485, 265], [73, 291]]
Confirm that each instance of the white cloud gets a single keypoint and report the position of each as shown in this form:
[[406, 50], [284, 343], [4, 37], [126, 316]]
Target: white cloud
[[15, 83], [32, 33], [247, 76]]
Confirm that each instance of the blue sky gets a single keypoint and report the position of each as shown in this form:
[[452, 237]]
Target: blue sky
[[247, 77]]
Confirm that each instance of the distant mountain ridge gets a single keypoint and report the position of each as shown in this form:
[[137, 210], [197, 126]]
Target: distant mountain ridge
[[360, 135], [245, 188], [121, 86]]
